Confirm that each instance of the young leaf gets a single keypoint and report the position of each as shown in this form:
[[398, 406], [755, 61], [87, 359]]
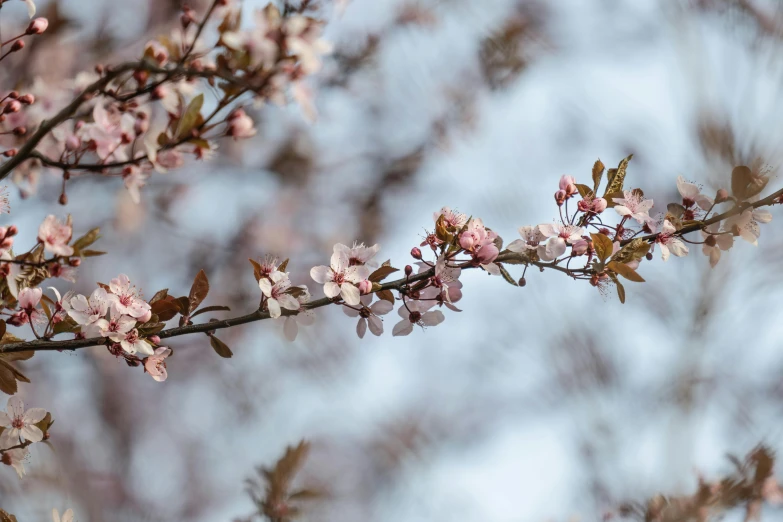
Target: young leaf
[[745, 185], [283, 266], [584, 190], [386, 295], [160, 294], [220, 347], [625, 271], [190, 117], [91, 253], [598, 172], [166, 308], [87, 239], [617, 178], [199, 290], [510, 280], [184, 305], [210, 309], [603, 246], [382, 273], [257, 270], [620, 291]]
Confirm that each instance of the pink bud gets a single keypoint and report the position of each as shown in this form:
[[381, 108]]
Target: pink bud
[[12, 106], [568, 185], [560, 197], [415, 253], [154, 338], [721, 196], [27, 99], [365, 287], [408, 270], [37, 26], [17, 46], [466, 240], [599, 205], [12, 231], [579, 248], [146, 317], [72, 143], [141, 126], [10, 153]]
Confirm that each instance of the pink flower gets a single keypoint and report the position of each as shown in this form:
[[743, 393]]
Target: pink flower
[[531, 237], [592, 204], [134, 179], [479, 241], [359, 254], [19, 423], [305, 317], [559, 236], [55, 236], [714, 242], [109, 132], [16, 458], [130, 341], [446, 278], [303, 40], [85, 312], [369, 314], [340, 278], [116, 328], [746, 225], [240, 125], [415, 312], [274, 289], [62, 306], [28, 303], [635, 206], [155, 364], [125, 299], [670, 243], [259, 42], [691, 195], [452, 218]]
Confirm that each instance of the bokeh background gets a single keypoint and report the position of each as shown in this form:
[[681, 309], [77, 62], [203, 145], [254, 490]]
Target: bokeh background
[[547, 402]]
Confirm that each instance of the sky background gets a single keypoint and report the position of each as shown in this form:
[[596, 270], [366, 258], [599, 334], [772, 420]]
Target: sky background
[[497, 413]]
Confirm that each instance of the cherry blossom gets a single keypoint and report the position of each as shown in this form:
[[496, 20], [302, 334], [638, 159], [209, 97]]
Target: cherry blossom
[[359, 254], [559, 236], [746, 224], [340, 278], [116, 327], [274, 289], [369, 315], [590, 203], [447, 278], [240, 125], [86, 312], [304, 317], [568, 185], [258, 42], [125, 299], [130, 340], [15, 458], [28, 303], [416, 312], [19, 423], [691, 195], [303, 40], [670, 243], [714, 242], [531, 237], [55, 236], [480, 242], [135, 178], [109, 132], [634, 205], [155, 364], [452, 218], [62, 305]]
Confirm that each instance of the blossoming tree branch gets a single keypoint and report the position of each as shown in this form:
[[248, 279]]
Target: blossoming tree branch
[[183, 95]]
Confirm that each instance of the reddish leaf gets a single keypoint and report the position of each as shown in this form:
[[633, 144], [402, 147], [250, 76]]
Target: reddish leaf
[[382, 273], [199, 290]]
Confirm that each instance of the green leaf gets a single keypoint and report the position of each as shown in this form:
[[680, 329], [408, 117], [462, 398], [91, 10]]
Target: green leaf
[[87, 239], [625, 271], [220, 347], [190, 117], [382, 273], [510, 280], [210, 309], [598, 172], [603, 246], [198, 291]]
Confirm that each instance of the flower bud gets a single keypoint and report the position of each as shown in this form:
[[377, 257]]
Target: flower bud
[[75, 261], [158, 93], [605, 231], [12, 106], [10, 153], [18, 319], [648, 256], [27, 99], [365, 287], [37, 26], [13, 95], [12, 231], [73, 143], [579, 248], [599, 205], [141, 76], [560, 197], [17, 46], [415, 253], [7, 243], [20, 131], [522, 281], [408, 270], [721, 196], [63, 199], [154, 338], [141, 126]]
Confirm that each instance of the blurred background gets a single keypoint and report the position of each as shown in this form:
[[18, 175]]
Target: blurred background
[[547, 402]]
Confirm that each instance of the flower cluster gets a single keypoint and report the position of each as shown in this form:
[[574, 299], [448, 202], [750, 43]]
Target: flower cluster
[[19, 428]]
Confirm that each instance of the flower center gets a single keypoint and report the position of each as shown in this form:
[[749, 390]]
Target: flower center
[[415, 317], [339, 278], [126, 299], [17, 423]]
